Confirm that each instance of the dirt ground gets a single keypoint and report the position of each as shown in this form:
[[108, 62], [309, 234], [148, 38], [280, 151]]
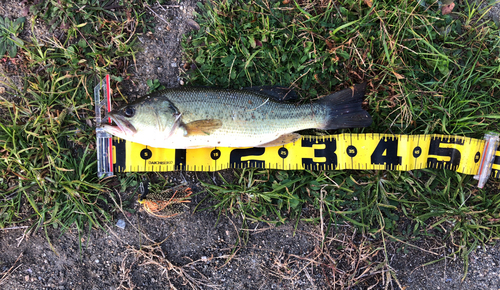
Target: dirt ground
[[207, 251]]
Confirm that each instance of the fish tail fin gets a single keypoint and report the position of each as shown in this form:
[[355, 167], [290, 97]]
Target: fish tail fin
[[345, 109]]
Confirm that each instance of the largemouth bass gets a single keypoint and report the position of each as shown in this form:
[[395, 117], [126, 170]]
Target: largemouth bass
[[185, 118]]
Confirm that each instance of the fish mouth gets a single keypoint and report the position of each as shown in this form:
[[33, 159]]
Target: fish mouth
[[123, 126]]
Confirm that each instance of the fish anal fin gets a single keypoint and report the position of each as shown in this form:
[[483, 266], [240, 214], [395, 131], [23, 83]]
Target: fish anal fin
[[202, 127], [282, 140]]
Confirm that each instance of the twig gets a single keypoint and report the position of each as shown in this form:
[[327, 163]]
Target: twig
[[14, 228], [239, 242], [291, 85], [401, 241], [147, 6], [321, 203], [11, 269]]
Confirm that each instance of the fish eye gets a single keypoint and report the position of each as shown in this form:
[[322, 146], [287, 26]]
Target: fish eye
[[129, 112]]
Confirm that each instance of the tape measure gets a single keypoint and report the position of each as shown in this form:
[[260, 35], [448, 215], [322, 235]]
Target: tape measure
[[332, 152]]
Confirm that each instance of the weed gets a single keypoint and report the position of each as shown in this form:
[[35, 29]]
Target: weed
[[47, 138], [9, 30], [259, 194], [426, 73], [154, 255], [154, 85], [64, 14], [347, 260]]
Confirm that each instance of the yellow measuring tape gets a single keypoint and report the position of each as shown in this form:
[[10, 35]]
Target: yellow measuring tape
[[332, 152]]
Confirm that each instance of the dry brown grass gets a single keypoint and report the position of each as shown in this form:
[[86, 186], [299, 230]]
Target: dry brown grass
[[345, 259]]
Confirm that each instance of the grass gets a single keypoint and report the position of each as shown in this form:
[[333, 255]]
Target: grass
[[426, 73], [48, 160]]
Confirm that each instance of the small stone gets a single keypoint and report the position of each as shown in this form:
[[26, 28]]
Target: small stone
[[174, 64], [96, 261], [2, 90], [121, 224], [193, 24], [27, 278]]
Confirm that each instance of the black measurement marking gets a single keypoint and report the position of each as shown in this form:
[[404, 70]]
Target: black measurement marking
[[180, 159], [477, 157], [452, 153], [146, 154], [387, 153], [418, 146], [328, 153], [417, 152], [236, 155], [283, 152], [496, 161], [120, 155], [351, 151], [215, 154]]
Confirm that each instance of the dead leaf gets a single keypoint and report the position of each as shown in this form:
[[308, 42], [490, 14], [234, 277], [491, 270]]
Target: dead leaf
[[398, 76], [446, 9], [368, 3], [328, 44]]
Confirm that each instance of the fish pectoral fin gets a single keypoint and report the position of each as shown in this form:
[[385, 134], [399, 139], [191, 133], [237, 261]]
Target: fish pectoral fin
[[202, 127], [282, 140]]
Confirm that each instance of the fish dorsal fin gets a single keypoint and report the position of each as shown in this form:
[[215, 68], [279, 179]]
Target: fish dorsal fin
[[277, 93], [282, 140], [202, 127]]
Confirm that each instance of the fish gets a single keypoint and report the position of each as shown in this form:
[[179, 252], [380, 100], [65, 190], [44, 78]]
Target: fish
[[199, 117]]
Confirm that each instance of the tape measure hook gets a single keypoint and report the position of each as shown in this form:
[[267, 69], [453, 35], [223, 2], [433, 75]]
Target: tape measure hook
[[487, 157]]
